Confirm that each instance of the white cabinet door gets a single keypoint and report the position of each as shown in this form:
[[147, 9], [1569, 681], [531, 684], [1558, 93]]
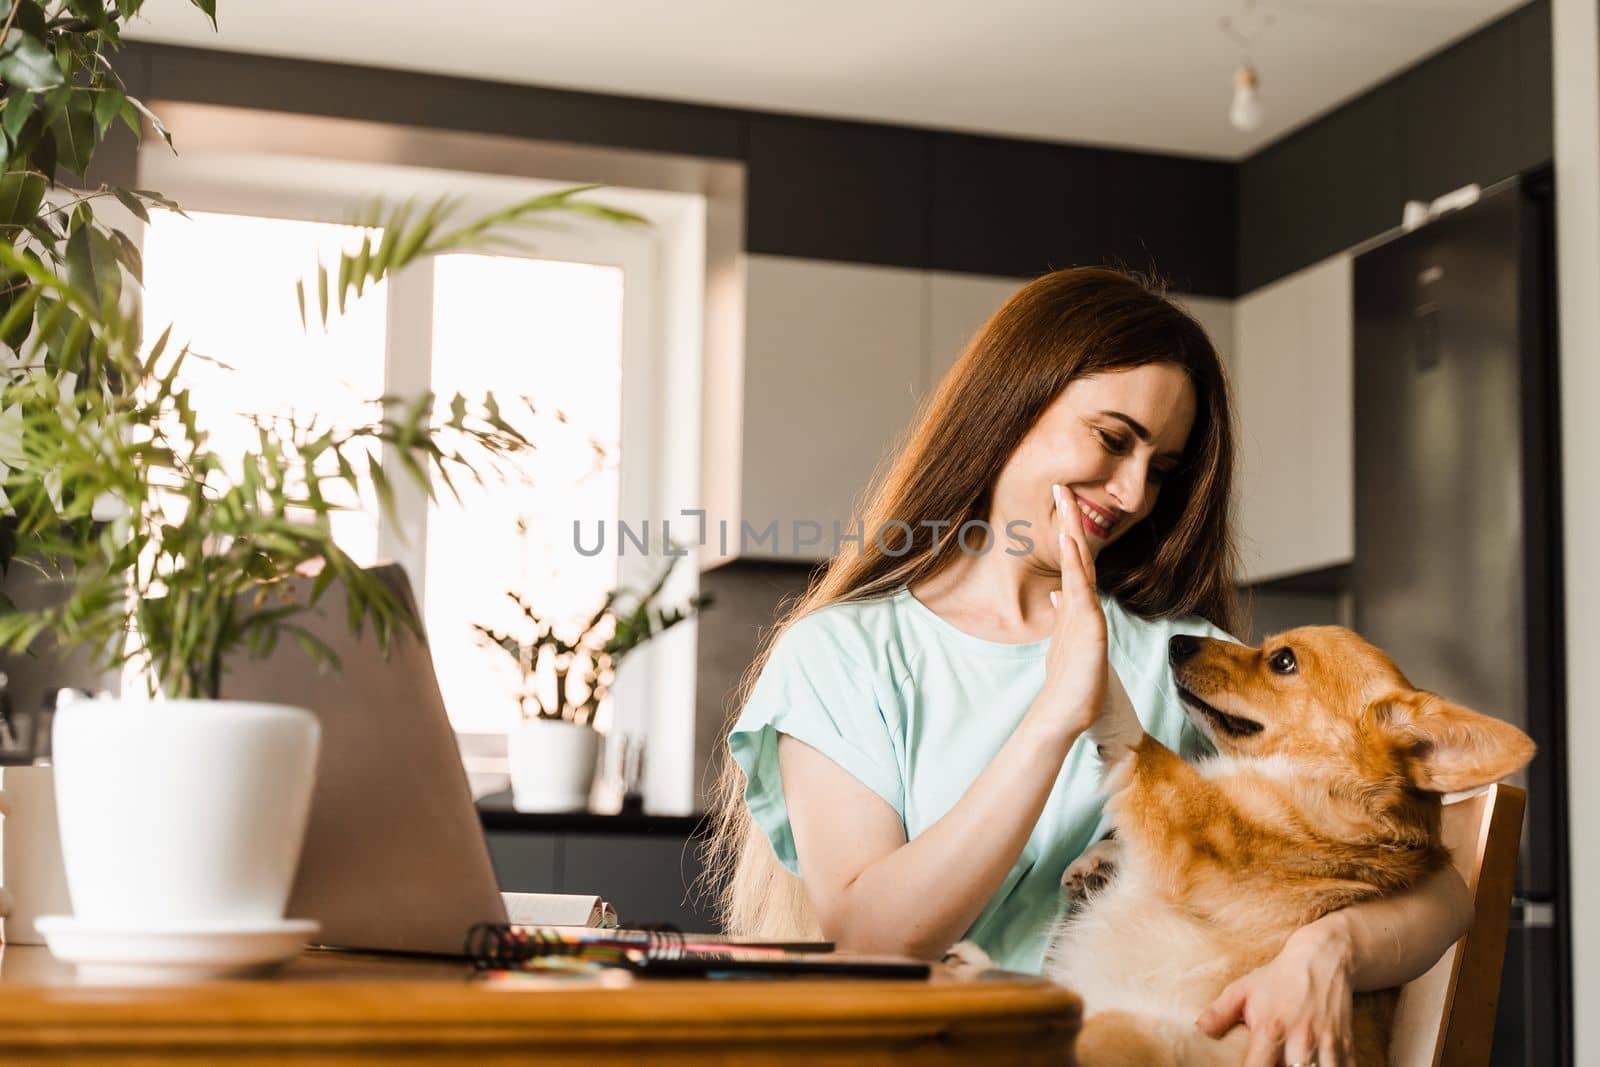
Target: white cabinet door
[[837, 358], [1292, 377], [1217, 317], [833, 372], [958, 304]]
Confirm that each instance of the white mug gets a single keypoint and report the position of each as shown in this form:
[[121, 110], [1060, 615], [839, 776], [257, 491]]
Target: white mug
[[33, 881]]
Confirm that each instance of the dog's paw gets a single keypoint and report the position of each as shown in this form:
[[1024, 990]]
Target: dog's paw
[[967, 959], [1091, 872], [1117, 731]]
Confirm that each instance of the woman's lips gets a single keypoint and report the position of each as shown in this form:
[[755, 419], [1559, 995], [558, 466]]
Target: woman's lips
[[1095, 522]]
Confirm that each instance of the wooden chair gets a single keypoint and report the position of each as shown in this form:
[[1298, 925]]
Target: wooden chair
[[1446, 1017]]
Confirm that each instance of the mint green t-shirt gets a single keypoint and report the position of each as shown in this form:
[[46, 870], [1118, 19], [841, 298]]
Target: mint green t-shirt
[[914, 708]]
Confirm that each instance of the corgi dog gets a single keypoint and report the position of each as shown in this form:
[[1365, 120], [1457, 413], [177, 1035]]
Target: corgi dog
[[1324, 792]]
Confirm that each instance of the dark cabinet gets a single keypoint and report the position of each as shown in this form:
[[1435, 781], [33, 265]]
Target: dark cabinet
[[1021, 208], [860, 193], [646, 877], [844, 191]]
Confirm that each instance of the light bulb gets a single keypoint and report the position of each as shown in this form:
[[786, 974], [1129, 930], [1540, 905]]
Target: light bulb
[[1245, 114]]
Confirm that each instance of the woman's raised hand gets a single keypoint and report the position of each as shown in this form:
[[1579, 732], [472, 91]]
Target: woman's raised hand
[[1075, 669]]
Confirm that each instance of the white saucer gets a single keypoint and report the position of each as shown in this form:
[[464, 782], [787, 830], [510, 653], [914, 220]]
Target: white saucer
[[173, 952]]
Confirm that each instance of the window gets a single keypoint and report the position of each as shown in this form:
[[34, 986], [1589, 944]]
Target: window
[[619, 350], [572, 324], [562, 346], [545, 329], [249, 354], [540, 328]]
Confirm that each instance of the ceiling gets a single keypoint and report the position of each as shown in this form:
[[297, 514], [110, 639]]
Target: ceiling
[[1149, 74]]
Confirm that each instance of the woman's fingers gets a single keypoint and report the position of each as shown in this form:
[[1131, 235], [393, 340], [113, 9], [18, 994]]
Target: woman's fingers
[[1302, 1048], [1072, 525], [1076, 583], [1075, 669], [1336, 1048], [1071, 539], [1224, 1012], [1334, 1052], [1263, 1050]]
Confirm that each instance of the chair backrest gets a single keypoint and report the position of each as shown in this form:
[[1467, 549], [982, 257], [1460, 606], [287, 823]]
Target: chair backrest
[[1446, 1017]]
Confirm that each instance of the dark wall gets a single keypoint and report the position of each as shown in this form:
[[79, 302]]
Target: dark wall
[[1479, 111], [374, 94], [818, 188], [1019, 208], [750, 596]]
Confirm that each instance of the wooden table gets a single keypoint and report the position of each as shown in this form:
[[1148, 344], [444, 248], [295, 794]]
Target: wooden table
[[339, 1008]]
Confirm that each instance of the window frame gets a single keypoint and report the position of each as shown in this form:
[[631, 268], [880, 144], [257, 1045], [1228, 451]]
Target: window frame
[[663, 344]]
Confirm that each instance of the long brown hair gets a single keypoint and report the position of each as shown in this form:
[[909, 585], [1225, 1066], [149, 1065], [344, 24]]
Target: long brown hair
[[1178, 561]]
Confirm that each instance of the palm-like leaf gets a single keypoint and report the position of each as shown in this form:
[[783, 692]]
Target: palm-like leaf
[[405, 241], [591, 654], [189, 558], [177, 578]]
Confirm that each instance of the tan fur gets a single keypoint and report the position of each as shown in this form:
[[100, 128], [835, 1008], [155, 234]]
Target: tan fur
[[1333, 801]]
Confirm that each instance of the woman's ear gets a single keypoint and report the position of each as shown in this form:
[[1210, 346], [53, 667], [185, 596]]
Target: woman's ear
[[1448, 748]]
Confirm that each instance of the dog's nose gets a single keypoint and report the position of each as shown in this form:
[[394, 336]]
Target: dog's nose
[[1181, 648]]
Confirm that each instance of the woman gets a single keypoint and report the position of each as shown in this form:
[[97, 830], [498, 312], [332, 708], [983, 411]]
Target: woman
[[907, 767]]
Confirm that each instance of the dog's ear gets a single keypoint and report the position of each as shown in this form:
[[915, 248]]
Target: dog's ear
[[1448, 748]]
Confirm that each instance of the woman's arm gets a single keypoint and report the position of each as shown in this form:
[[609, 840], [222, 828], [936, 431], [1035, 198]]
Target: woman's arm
[[1298, 1006], [1389, 942], [872, 890]]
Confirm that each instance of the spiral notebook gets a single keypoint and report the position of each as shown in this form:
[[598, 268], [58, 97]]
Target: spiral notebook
[[558, 909], [669, 953]]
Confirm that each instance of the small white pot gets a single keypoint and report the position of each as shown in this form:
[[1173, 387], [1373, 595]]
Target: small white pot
[[182, 811], [30, 854], [552, 765]]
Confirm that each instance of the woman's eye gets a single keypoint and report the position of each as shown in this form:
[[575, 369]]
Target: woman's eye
[[1282, 662], [1115, 445]]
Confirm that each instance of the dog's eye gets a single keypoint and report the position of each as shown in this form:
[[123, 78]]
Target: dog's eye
[[1282, 661]]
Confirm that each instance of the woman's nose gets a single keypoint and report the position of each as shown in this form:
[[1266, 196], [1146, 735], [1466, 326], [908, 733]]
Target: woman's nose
[[1127, 486]]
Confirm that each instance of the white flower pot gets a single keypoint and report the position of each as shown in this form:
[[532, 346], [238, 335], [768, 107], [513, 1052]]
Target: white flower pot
[[30, 854], [182, 811], [552, 765]]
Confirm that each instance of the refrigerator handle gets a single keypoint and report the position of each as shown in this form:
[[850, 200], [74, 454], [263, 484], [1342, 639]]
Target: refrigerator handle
[[1537, 914]]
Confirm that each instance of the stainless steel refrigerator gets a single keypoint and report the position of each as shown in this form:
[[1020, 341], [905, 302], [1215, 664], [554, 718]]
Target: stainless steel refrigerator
[[1457, 564]]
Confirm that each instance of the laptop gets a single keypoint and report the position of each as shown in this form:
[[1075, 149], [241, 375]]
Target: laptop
[[394, 856]]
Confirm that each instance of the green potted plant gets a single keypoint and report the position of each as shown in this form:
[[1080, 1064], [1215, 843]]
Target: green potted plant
[[173, 560], [170, 558], [567, 671]]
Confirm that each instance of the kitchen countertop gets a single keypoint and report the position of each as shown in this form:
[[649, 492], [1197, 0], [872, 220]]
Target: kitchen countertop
[[496, 813]]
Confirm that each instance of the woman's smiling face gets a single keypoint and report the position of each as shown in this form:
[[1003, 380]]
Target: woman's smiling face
[[1111, 438]]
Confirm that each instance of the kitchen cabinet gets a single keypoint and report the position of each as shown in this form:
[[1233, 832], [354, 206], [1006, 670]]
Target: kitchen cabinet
[[1014, 208], [1217, 317], [838, 357], [958, 304], [833, 369], [821, 189], [647, 876], [1292, 367]]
